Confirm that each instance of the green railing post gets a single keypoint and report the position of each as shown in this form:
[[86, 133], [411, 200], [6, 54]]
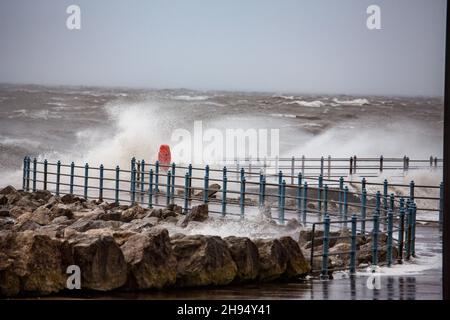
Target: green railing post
[[299, 195], [385, 195], [72, 177], [319, 195], [280, 180], [305, 202], [363, 210], [117, 187], [186, 193], [34, 174], [133, 185], [100, 182], [24, 177], [363, 183], [242, 198], [325, 247], [411, 190], [353, 247], [206, 185], [28, 174], [408, 232], [282, 203], [340, 194], [142, 182], [376, 227], [392, 202], [45, 174], [156, 177], [345, 206], [401, 231], [413, 229], [86, 177], [169, 178], [150, 188], [390, 229], [261, 177], [172, 192], [224, 196], [58, 176], [325, 199]]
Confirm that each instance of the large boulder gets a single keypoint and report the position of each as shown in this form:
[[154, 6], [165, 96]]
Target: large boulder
[[296, 263], [31, 263], [273, 259], [245, 254], [83, 225], [101, 261], [198, 213], [134, 212], [150, 260], [203, 260]]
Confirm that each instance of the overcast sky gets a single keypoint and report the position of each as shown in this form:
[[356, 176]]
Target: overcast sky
[[307, 46]]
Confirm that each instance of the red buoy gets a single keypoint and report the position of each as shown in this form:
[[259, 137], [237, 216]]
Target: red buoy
[[164, 157]]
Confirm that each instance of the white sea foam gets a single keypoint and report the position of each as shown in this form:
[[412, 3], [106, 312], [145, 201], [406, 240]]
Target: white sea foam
[[190, 98], [354, 102], [310, 104], [283, 115]]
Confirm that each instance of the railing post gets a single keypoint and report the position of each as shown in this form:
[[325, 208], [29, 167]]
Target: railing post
[[340, 195], [411, 190], [321, 166], [381, 164], [186, 193], [378, 202], [329, 166], [224, 196], [264, 191], [34, 174], [305, 202], [117, 186], [299, 195], [354, 164], [169, 177], [392, 202], [72, 177], [326, 243], [385, 195], [345, 206], [319, 195], [190, 182], [363, 210], [24, 179], [375, 231], [28, 174], [156, 177], [303, 165], [58, 176], [242, 198], [389, 238], [353, 246], [281, 209], [325, 199], [86, 177], [172, 192], [363, 183], [351, 166], [100, 184], [292, 169], [133, 185], [206, 185], [260, 202], [150, 188], [441, 204], [142, 182], [413, 229], [408, 232], [280, 180], [401, 231], [45, 174]]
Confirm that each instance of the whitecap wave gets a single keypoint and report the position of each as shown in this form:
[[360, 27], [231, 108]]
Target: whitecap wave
[[190, 98], [309, 104], [354, 102]]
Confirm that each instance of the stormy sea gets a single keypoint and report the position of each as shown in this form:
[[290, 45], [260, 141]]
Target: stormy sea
[[111, 125]]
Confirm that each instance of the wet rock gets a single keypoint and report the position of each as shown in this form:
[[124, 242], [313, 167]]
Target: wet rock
[[31, 263], [150, 260], [245, 254], [101, 261], [8, 190], [157, 213], [273, 259], [110, 216], [198, 213], [203, 260], [59, 210], [134, 212], [3, 200], [138, 225], [83, 225], [4, 212], [41, 216], [43, 195], [70, 198], [296, 262]]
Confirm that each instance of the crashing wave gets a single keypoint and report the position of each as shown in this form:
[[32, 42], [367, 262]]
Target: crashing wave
[[310, 104], [354, 102]]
